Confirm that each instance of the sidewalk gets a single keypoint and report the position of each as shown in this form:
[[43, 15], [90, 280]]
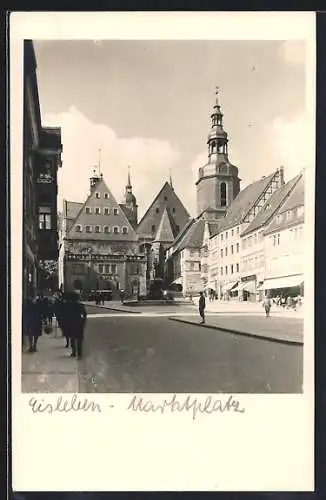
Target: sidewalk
[[286, 330], [240, 307], [50, 369], [113, 305]]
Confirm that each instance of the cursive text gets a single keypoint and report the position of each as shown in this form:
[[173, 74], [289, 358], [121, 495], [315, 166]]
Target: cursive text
[[64, 405], [208, 406]]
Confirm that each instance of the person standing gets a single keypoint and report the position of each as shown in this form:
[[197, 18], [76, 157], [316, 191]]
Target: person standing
[[35, 324], [267, 306], [75, 320], [201, 307]]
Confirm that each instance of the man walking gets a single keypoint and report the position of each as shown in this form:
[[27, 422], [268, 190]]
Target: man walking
[[267, 305], [75, 323], [201, 307]]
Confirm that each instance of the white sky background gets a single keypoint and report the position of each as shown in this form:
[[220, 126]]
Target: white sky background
[[147, 104]]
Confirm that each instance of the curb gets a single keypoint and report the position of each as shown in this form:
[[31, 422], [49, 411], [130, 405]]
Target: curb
[[113, 309], [238, 332]]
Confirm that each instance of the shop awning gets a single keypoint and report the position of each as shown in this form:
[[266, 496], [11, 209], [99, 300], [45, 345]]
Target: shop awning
[[283, 282], [229, 286], [248, 286]]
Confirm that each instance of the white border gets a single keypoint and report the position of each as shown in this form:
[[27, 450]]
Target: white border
[[268, 448]]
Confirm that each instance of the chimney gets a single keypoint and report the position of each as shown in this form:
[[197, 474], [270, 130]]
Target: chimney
[[281, 171]]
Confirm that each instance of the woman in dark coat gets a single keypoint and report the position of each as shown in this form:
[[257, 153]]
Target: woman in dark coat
[[74, 320], [34, 323]]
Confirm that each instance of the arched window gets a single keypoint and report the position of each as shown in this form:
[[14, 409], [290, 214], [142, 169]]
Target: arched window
[[213, 147], [223, 194]]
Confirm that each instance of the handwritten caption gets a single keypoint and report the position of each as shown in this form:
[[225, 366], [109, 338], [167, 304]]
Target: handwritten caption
[[138, 404]]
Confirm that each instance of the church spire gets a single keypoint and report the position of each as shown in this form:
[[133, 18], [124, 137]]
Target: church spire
[[170, 178], [128, 180], [217, 138]]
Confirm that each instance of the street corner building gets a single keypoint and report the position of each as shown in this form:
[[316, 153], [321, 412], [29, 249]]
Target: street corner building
[[103, 247], [242, 243], [41, 159]]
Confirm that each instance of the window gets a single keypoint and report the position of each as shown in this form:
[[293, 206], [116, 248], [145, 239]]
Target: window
[[100, 268], [237, 268], [88, 229], [221, 270], [97, 195], [278, 238], [238, 229], [232, 232], [44, 218], [115, 229], [238, 247], [221, 253], [97, 210], [106, 211], [223, 194], [226, 251], [173, 210], [153, 228], [231, 268], [226, 269], [106, 229], [222, 237], [165, 198], [106, 195], [115, 211], [78, 228], [113, 268], [88, 210], [125, 230], [97, 229], [157, 210], [232, 250], [226, 235]]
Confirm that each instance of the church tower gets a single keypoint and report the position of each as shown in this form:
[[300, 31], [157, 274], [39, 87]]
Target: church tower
[[218, 182], [129, 205]]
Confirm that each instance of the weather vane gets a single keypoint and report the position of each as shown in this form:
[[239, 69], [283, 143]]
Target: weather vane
[[217, 89]]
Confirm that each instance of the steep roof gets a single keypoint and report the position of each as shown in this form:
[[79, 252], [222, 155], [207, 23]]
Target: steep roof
[[213, 227], [192, 237], [152, 218], [165, 233], [293, 201], [243, 202], [92, 219], [271, 205], [71, 210]]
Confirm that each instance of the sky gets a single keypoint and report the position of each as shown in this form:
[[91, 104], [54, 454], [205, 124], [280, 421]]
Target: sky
[[147, 104]]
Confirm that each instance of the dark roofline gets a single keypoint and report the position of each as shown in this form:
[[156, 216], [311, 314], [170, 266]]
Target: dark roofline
[[277, 207], [156, 197], [182, 233], [30, 67]]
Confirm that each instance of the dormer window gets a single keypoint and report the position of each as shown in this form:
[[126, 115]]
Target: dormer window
[[97, 229], [97, 195], [97, 210], [125, 230], [106, 195], [115, 211], [106, 211], [78, 228], [106, 229], [116, 230], [88, 210], [88, 229]]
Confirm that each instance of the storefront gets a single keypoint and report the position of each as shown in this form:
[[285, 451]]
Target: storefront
[[285, 286]]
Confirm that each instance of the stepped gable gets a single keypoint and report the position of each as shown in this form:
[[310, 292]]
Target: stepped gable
[[294, 200], [272, 205], [165, 232], [244, 201], [166, 198], [111, 219], [70, 211]]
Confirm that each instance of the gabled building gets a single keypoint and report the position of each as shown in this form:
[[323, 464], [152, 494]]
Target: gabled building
[[100, 247], [164, 219], [225, 244], [285, 245], [253, 252]]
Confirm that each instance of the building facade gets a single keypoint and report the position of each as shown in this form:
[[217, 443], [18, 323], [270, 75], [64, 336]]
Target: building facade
[[41, 159]]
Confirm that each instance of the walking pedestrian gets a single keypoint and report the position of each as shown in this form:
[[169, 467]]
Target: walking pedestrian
[[267, 306], [35, 323], [74, 323], [201, 307]]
